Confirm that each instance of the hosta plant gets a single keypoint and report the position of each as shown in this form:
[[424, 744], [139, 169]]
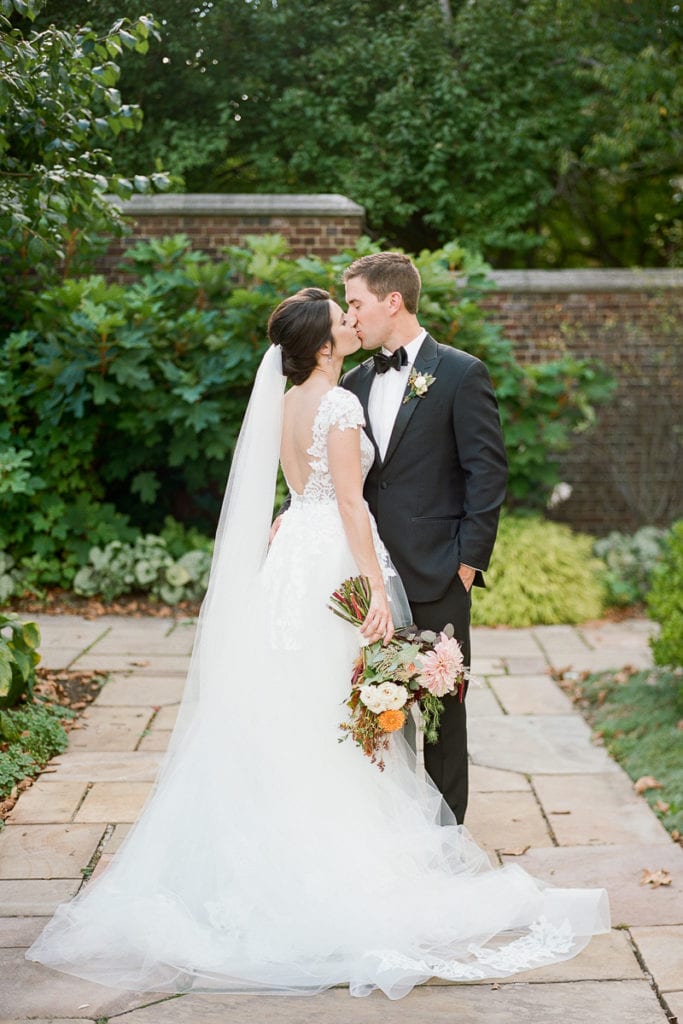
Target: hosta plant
[[18, 658], [146, 566], [630, 560]]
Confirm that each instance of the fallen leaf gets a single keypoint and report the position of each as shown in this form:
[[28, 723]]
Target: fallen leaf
[[662, 805], [560, 673], [559, 812], [655, 878], [515, 853], [140, 663], [646, 782]]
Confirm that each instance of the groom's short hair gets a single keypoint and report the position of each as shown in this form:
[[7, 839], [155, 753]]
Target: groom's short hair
[[385, 272]]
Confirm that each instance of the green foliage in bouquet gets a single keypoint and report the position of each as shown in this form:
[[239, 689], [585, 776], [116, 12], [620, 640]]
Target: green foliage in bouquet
[[630, 560], [146, 566], [414, 667], [665, 601], [18, 659], [540, 573]]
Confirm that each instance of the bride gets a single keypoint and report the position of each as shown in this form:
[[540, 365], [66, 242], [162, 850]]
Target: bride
[[271, 857]]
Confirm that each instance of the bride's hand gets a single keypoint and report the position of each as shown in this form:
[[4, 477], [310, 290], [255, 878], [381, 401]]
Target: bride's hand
[[378, 624], [273, 530]]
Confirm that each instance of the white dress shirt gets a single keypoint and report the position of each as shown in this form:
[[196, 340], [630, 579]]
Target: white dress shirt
[[386, 394]]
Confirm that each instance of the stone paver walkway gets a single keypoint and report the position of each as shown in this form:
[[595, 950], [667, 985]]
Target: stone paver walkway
[[543, 795]]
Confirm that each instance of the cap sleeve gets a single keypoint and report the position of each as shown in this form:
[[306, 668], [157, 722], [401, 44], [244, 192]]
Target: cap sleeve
[[344, 410]]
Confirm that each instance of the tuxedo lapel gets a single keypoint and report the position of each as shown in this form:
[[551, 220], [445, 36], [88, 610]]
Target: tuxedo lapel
[[426, 360]]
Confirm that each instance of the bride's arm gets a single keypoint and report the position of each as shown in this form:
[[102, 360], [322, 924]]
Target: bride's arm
[[343, 458]]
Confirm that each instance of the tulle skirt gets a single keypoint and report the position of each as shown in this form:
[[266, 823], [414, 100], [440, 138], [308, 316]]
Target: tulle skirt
[[274, 858]]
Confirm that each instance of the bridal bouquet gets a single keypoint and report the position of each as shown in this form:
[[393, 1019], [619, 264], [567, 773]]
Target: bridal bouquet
[[415, 667]]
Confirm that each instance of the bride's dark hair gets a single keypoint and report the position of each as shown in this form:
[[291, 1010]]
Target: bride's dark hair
[[300, 326]]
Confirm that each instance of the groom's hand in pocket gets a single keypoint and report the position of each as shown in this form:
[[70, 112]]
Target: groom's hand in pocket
[[466, 574]]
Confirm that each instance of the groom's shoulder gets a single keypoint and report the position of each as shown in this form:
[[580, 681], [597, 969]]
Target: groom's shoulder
[[455, 358], [352, 377]]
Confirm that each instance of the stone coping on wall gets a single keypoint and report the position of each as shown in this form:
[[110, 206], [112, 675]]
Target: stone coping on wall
[[240, 204], [597, 280]]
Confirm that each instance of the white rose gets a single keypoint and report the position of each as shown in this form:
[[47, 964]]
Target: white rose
[[370, 696], [393, 695], [420, 382]]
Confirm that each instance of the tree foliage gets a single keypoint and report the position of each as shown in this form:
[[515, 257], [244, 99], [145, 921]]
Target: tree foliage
[[544, 132], [60, 109]]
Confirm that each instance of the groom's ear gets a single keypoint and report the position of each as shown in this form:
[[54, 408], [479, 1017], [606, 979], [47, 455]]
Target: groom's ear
[[395, 303]]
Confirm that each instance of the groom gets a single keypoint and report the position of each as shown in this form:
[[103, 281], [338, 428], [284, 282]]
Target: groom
[[439, 475]]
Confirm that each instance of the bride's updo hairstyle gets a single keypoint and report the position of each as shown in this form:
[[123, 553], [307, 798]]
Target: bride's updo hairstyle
[[300, 326]]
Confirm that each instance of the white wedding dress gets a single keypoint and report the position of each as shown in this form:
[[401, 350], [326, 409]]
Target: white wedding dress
[[274, 858]]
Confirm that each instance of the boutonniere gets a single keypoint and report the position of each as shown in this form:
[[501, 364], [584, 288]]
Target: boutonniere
[[419, 384]]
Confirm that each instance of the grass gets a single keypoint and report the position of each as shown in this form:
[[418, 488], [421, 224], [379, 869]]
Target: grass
[[639, 717]]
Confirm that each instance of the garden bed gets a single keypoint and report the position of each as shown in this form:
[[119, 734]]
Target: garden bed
[[638, 715], [64, 602], [60, 696]]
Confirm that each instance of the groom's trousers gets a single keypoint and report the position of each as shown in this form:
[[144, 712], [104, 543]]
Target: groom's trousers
[[446, 760]]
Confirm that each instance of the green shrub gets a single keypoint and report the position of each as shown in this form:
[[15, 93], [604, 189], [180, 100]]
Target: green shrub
[[18, 658], [665, 601], [630, 560], [123, 404], [540, 573], [146, 566], [180, 539], [29, 736], [10, 578]]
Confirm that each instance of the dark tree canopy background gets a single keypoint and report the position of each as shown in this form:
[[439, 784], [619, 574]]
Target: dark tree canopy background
[[543, 132]]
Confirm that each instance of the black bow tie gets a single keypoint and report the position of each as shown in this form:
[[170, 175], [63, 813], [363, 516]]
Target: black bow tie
[[395, 361]]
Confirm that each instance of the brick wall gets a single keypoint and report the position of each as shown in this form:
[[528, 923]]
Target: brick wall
[[624, 473], [628, 471], [322, 224]]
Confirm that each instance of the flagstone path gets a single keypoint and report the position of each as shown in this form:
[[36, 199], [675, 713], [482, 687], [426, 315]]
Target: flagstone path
[[543, 795]]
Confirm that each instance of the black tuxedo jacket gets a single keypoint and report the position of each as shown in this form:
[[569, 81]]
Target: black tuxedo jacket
[[437, 493]]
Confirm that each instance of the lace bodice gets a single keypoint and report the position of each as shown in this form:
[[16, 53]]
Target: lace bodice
[[312, 533], [338, 408]]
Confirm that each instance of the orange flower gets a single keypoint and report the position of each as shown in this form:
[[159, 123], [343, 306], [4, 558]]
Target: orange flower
[[390, 721]]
